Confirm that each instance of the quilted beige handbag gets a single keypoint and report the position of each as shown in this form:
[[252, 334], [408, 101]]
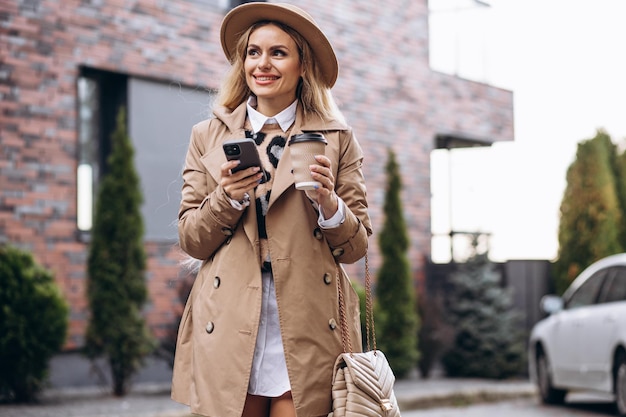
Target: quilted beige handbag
[[362, 382]]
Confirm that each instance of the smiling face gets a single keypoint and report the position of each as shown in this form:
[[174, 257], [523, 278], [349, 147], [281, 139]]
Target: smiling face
[[273, 69]]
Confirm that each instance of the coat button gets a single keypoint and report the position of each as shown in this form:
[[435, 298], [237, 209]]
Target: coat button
[[317, 233], [332, 324], [227, 231], [209, 327], [328, 279], [216, 282], [337, 252]]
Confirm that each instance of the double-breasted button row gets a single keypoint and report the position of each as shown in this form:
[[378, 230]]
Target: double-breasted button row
[[317, 233], [210, 326], [337, 252], [328, 278]]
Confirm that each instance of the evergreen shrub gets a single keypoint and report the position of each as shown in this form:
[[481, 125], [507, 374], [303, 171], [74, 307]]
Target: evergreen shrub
[[487, 341], [33, 324]]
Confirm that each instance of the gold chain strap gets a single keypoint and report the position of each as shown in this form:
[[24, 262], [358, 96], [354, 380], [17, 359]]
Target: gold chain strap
[[345, 334], [369, 308], [369, 312]]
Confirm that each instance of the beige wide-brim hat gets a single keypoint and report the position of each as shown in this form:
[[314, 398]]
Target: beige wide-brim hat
[[239, 19]]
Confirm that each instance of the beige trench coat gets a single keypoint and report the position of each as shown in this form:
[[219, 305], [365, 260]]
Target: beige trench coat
[[217, 333]]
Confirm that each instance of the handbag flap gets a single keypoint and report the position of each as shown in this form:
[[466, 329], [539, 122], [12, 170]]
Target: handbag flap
[[371, 373]]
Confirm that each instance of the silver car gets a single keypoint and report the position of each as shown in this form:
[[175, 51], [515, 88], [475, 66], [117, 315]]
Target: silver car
[[581, 345]]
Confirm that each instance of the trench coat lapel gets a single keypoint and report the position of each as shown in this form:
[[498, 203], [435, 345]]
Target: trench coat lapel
[[213, 159]]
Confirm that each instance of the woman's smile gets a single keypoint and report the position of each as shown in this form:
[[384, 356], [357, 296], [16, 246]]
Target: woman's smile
[[272, 67], [265, 79]]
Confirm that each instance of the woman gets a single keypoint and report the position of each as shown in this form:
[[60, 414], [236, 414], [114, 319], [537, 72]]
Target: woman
[[259, 334]]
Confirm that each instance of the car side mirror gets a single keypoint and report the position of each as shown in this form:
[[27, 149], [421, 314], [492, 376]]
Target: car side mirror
[[551, 304]]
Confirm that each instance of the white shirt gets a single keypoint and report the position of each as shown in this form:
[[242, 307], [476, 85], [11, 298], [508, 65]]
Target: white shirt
[[284, 119]]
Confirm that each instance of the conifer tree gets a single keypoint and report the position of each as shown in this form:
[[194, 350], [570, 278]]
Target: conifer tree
[[116, 287], [591, 216], [397, 317], [487, 343]]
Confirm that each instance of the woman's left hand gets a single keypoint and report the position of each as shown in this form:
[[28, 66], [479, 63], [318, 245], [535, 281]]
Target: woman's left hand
[[325, 195]]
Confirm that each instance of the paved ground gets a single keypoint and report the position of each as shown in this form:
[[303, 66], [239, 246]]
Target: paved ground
[[528, 407], [144, 401], [153, 400], [75, 392]]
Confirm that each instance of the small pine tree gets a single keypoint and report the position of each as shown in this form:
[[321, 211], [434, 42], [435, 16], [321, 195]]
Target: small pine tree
[[116, 287], [486, 342], [591, 214], [33, 324], [397, 317]]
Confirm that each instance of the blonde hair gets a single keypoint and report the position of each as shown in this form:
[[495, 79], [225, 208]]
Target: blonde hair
[[313, 95]]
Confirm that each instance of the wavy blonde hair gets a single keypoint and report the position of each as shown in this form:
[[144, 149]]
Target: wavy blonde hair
[[312, 94]]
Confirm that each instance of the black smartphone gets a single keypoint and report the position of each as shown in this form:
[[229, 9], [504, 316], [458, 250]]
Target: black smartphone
[[246, 151]]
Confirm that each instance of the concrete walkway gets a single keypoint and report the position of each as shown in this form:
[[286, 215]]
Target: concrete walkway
[[150, 400]]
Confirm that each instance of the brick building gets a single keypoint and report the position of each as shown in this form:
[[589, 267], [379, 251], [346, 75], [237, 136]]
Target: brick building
[[67, 65]]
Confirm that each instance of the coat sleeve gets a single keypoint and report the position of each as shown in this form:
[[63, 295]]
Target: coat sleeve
[[206, 219], [348, 241]]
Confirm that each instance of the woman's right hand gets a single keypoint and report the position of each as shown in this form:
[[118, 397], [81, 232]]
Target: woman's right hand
[[239, 183]]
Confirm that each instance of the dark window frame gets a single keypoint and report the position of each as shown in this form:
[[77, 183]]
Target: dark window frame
[[99, 100], [112, 94]]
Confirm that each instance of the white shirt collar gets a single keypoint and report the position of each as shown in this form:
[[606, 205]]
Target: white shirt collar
[[284, 119]]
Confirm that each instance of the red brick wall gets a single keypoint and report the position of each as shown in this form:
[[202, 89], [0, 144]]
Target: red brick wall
[[386, 89]]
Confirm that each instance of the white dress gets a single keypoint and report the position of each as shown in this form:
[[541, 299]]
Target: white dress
[[269, 376]]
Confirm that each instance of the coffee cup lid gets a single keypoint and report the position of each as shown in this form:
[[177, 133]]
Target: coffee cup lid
[[307, 137]]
